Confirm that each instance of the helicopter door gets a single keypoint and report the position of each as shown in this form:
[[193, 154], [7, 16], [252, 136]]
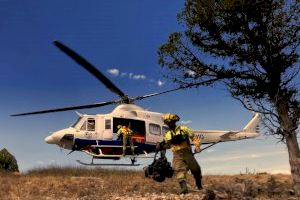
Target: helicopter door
[[154, 134], [137, 126], [107, 132]]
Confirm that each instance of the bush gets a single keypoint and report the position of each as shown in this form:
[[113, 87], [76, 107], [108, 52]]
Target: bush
[[8, 161]]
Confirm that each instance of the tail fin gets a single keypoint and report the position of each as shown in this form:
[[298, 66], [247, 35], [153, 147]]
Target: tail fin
[[252, 126]]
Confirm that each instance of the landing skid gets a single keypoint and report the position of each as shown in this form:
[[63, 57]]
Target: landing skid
[[132, 159], [105, 164]]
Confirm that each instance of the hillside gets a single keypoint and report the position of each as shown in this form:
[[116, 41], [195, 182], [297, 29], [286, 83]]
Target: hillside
[[78, 183]]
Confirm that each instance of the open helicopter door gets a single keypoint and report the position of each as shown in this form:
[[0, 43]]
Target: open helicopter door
[[137, 126]]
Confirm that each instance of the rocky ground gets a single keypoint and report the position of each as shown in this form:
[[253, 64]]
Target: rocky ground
[[78, 183]]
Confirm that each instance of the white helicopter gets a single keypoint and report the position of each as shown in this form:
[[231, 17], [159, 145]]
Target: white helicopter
[[95, 135]]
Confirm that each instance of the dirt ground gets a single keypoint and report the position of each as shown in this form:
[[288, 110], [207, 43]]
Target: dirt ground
[[78, 183]]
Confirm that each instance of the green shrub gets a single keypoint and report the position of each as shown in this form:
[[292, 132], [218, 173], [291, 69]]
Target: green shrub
[[8, 161]]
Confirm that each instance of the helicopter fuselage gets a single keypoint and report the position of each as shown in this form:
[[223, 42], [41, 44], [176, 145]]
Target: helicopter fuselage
[[98, 131], [101, 129]]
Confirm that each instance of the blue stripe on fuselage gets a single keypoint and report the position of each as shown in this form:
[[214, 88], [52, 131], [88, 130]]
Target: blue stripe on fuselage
[[81, 143]]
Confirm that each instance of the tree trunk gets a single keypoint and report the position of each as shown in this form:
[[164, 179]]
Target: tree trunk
[[288, 130], [294, 157]]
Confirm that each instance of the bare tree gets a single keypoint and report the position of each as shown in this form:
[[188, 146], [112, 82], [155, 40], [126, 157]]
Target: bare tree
[[252, 48]]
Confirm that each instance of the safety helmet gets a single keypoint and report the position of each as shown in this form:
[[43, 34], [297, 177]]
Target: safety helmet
[[168, 117], [119, 126]]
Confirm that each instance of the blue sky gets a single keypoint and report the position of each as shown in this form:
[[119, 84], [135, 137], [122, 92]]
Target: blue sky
[[121, 38]]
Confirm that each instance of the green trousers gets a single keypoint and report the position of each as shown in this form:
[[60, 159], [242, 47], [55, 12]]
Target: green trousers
[[125, 139], [184, 160]]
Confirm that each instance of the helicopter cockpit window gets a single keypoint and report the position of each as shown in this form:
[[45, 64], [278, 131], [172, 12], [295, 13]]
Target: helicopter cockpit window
[[91, 124], [83, 127], [154, 129], [78, 120]]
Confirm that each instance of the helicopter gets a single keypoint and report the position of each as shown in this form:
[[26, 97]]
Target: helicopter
[[95, 135]]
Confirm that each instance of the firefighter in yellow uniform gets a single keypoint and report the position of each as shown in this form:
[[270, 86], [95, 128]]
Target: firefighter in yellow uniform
[[127, 133], [178, 139]]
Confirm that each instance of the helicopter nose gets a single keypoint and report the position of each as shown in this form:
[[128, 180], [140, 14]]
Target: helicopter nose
[[49, 140]]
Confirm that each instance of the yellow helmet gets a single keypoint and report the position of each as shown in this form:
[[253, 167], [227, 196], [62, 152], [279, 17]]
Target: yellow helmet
[[168, 117], [119, 126]]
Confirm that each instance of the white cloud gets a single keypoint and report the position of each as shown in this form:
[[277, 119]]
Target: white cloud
[[186, 122], [52, 161], [114, 72], [123, 74], [40, 162], [130, 75], [139, 77], [191, 73], [49, 162], [160, 83], [228, 157]]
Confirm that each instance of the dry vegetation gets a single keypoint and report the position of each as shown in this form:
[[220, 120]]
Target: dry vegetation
[[79, 183]]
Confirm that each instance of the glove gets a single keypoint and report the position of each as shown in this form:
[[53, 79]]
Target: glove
[[160, 146], [119, 137], [197, 141], [197, 149]]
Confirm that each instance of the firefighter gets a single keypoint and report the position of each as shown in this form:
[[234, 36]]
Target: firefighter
[[127, 133], [177, 138]]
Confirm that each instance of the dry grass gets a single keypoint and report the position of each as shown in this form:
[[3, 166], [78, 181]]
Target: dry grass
[[79, 183]]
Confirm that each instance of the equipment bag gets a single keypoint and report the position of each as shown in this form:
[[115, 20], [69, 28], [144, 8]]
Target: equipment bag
[[159, 169]]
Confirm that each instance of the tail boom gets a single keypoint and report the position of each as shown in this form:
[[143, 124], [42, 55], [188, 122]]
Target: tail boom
[[249, 131]]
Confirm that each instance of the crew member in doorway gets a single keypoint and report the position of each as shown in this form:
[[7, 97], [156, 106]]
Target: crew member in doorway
[[177, 138], [127, 133]]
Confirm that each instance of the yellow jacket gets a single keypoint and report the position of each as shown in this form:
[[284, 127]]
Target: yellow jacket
[[125, 131], [179, 139]]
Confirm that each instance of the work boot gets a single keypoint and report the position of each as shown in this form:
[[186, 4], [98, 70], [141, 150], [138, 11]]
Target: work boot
[[199, 184], [183, 187]]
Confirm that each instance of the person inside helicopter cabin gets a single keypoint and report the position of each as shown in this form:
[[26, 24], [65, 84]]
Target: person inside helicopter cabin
[[126, 133], [177, 138]]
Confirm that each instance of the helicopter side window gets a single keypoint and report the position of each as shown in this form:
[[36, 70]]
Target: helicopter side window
[[107, 124], [154, 129], [83, 127], [91, 124]]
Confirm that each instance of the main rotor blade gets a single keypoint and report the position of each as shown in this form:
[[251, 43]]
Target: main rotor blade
[[90, 68], [167, 91], [67, 108], [155, 94]]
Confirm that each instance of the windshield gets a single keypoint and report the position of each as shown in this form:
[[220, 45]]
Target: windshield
[[79, 118]]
